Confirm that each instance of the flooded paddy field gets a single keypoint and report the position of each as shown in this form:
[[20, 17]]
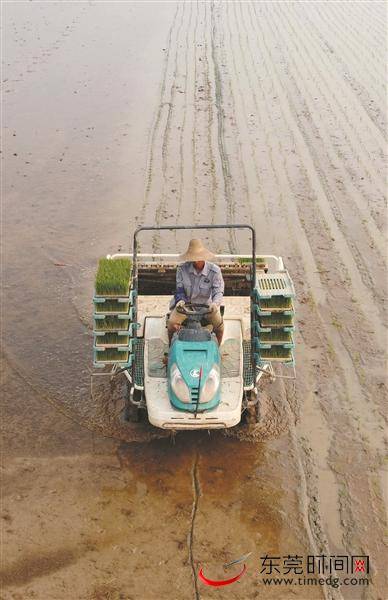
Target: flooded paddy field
[[122, 114]]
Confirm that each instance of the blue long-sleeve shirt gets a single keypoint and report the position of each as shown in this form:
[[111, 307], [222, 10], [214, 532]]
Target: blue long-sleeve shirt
[[202, 287]]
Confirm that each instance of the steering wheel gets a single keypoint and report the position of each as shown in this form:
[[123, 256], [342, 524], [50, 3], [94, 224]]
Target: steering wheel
[[190, 308]]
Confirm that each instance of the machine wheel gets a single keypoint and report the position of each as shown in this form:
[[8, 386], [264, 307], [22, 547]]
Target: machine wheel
[[266, 419], [253, 409]]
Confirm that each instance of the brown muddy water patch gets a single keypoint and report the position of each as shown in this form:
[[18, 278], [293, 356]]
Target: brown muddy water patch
[[247, 484]]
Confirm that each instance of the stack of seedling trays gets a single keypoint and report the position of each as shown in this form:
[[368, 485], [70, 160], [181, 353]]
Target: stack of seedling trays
[[113, 313], [274, 317]]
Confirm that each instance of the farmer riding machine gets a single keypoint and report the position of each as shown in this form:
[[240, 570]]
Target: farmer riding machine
[[193, 383]]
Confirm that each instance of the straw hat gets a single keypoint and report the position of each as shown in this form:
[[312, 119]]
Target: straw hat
[[196, 252]]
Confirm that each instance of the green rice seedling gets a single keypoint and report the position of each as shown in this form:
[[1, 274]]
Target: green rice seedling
[[112, 339], [276, 353], [112, 355], [276, 336], [112, 306], [111, 324], [247, 261], [113, 277], [276, 302], [278, 320]]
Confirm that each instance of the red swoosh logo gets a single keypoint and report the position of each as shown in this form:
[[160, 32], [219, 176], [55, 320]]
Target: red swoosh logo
[[219, 582]]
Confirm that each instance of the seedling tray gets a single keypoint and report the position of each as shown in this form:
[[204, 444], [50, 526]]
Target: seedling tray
[[118, 299], [112, 340], [269, 312], [117, 306], [259, 344], [274, 284], [258, 329], [276, 321], [276, 337], [130, 331], [275, 304], [118, 324], [128, 297], [106, 334], [101, 311], [113, 277], [101, 316], [112, 356], [276, 354]]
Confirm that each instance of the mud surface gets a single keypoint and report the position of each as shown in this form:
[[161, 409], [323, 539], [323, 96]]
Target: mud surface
[[118, 114]]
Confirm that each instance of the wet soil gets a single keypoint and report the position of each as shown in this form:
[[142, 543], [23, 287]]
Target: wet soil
[[119, 114]]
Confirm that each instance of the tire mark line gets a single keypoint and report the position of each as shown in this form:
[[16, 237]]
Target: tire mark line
[[157, 119], [230, 206], [166, 137]]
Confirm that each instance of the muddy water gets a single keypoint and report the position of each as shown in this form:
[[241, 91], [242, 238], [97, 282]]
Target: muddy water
[[117, 114]]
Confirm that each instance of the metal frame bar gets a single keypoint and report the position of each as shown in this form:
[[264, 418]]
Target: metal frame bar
[[189, 227], [277, 259], [185, 228]]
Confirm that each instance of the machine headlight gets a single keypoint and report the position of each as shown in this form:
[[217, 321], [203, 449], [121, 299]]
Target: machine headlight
[[178, 385], [211, 384]]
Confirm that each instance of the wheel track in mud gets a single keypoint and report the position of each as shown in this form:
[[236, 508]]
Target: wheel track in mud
[[354, 201], [364, 158], [161, 206], [230, 204], [183, 123], [367, 44], [166, 202], [155, 126], [195, 110], [350, 233], [323, 194], [344, 55], [322, 320], [340, 219], [258, 130], [344, 41], [303, 243], [239, 128], [228, 99], [299, 219], [277, 179], [190, 538], [370, 19], [314, 267], [254, 149], [345, 123], [347, 130], [203, 159], [357, 26], [210, 112]]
